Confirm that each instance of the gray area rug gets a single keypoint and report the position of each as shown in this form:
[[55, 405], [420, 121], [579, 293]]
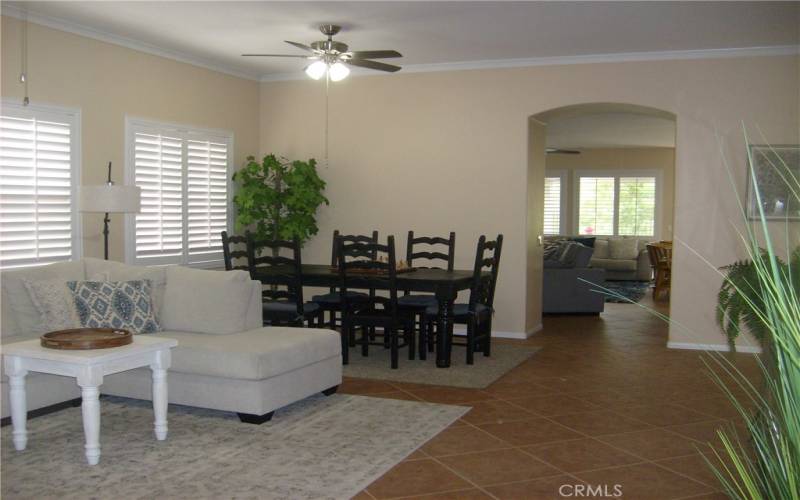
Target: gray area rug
[[317, 448], [477, 376]]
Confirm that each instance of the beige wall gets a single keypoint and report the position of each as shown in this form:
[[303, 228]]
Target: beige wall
[[448, 151], [537, 133], [106, 82], [659, 159]]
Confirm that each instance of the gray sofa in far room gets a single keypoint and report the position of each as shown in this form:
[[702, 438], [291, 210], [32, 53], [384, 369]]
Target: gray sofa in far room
[[568, 281], [624, 258]]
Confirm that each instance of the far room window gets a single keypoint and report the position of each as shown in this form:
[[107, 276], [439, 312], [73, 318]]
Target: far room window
[[39, 175], [552, 204], [186, 193], [617, 204], [596, 205]]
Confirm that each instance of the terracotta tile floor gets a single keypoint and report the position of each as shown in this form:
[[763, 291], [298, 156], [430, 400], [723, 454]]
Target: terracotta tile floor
[[603, 403]]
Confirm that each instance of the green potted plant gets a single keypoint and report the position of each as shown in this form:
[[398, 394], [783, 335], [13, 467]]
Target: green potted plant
[[278, 198]]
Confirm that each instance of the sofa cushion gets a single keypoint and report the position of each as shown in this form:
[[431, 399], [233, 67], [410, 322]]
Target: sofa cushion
[[109, 270], [115, 304], [202, 301], [601, 249], [623, 248], [17, 301], [53, 299], [615, 264], [252, 355]]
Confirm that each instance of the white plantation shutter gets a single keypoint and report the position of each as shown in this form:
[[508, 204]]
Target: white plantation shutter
[[207, 198], [637, 206], [552, 205], [39, 174], [158, 164], [596, 205], [183, 173]]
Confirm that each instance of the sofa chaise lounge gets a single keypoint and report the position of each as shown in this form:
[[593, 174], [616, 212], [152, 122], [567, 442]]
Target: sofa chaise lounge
[[225, 359]]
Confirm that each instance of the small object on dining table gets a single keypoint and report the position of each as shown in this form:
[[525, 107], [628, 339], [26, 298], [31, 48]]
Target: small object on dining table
[[86, 338]]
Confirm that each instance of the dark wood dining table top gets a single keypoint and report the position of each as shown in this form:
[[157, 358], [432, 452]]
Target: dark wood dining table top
[[418, 280]]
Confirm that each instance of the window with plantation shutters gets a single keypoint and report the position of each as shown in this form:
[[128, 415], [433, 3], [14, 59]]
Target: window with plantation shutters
[[552, 205], [183, 174], [39, 175]]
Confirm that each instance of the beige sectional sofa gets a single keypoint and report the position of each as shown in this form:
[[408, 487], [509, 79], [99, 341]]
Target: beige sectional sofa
[[623, 258], [225, 359]]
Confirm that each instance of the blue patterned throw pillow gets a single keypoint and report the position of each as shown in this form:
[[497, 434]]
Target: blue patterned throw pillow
[[115, 304]]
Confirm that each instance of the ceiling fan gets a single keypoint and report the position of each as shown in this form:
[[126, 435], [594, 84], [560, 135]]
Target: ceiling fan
[[559, 151], [332, 58]]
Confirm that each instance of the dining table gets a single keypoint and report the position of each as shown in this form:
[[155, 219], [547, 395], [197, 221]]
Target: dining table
[[444, 284]]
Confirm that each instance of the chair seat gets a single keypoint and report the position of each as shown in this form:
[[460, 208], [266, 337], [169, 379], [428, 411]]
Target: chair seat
[[283, 307], [335, 298], [417, 301], [458, 310]]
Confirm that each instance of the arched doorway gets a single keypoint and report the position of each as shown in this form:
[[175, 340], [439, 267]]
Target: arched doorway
[[624, 157]]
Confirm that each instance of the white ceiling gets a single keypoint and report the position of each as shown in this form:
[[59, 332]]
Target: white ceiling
[[427, 33]]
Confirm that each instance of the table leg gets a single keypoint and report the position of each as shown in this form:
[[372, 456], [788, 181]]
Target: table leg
[[160, 399], [444, 337], [19, 405], [91, 422]]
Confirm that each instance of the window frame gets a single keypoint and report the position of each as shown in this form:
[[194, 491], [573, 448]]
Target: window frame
[[52, 112], [563, 175], [616, 174], [185, 133]]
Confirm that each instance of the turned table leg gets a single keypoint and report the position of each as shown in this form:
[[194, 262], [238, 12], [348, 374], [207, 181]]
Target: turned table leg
[[160, 400], [444, 338], [90, 408], [19, 405]]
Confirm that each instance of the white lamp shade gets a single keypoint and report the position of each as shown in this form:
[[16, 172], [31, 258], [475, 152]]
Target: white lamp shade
[[316, 70], [338, 72], [110, 198]]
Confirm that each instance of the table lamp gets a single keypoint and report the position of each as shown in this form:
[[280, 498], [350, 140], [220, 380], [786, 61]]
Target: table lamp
[[109, 198]]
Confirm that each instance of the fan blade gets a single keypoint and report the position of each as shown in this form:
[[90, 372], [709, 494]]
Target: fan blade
[[300, 46], [374, 54], [276, 55], [364, 63]]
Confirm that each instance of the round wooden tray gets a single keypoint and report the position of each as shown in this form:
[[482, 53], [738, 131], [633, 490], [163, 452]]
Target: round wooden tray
[[86, 338]]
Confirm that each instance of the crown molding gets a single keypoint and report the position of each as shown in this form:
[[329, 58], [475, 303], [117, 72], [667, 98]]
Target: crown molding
[[82, 30], [103, 36], [778, 50]]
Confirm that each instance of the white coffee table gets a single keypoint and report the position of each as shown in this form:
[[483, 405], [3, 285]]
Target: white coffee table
[[88, 367]]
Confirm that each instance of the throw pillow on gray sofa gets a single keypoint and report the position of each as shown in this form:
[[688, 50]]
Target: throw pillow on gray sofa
[[623, 248]]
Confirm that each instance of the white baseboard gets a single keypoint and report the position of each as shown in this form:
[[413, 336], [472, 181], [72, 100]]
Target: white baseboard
[[713, 347], [498, 334]]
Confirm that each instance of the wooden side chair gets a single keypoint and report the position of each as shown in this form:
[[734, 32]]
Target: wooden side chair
[[331, 302], [661, 261], [477, 313], [282, 301], [427, 250], [359, 259], [234, 252]]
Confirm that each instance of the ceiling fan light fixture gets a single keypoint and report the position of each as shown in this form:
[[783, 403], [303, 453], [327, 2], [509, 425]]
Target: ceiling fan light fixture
[[338, 71], [316, 70]]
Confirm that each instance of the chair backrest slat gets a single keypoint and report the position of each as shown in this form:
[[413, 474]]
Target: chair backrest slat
[[483, 287], [348, 238], [234, 250], [285, 273], [356, 257], [429, 254]]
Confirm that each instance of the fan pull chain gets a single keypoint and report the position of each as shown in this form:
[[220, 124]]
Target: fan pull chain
[[327, 92], [23, 76]]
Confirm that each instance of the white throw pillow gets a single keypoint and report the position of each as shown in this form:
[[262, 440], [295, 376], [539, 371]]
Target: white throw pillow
[[600, 249], [623, 248], [17, 301], [109, 270], [203, 301], [54, 302]]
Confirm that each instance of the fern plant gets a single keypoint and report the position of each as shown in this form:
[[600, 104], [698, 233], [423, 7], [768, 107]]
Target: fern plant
[[741, 296], [278, 198]]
